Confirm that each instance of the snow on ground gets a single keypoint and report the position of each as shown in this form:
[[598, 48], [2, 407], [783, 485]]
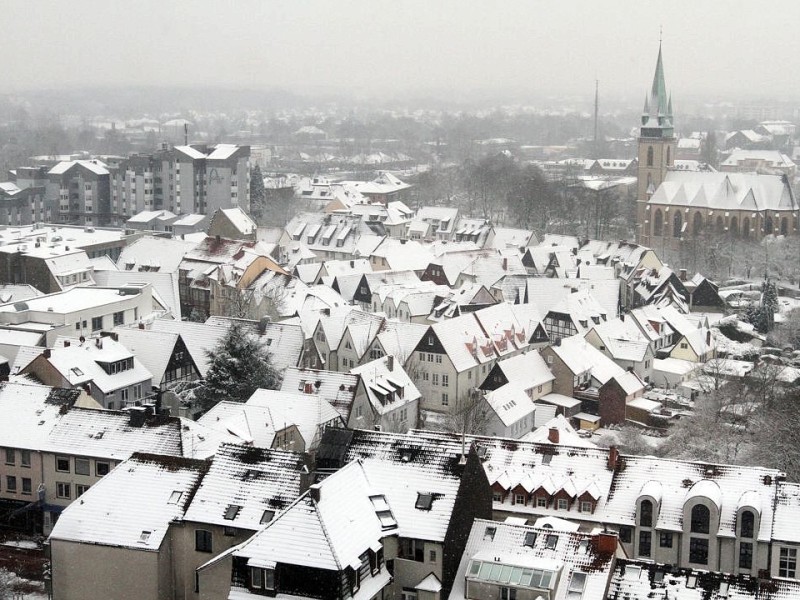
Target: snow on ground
[[27, 544]]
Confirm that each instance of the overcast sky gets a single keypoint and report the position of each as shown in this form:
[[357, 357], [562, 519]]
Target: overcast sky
[[379, 47]]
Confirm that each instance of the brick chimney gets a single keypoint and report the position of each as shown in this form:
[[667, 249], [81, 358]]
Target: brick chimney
[[606, 543], [552, 435], [141, 325], [390, 363], [682, 274], [613, 458], [66, 343], [46, 353], [505, 263]]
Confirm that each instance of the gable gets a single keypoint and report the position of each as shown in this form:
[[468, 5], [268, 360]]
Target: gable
[[430, 343]]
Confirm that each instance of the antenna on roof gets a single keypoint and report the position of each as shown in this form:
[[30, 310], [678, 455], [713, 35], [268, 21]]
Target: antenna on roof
[[185, 134]]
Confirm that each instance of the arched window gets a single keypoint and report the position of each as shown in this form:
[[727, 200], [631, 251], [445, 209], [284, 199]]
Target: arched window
[[677, 224], [734, 227], [720, 225], [784, 226], [697, 224], [769, 226], [669, 156], [701, 518], [746, 227], [646, 513], [649, 156], [658, 223], [747, 525]]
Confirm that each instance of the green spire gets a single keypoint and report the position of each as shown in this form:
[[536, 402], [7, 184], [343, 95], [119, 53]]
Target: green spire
[[658, 93]]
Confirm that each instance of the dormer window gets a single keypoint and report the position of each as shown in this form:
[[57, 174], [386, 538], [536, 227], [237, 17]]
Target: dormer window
[[262, 579]]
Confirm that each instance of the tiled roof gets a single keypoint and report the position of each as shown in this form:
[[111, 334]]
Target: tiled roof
[[336, 388]]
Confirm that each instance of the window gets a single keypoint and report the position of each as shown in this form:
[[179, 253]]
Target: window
[[80, 489], [262, 579], [530, 539], [101, 468], [62, 489], [425, 376], [625, 534], [645, 538], [445, 400], [62, 464], [646, 513], [421, 357], [649, 156], [576, 585], [229, 531], [432, 556], [267, 516], [551, 542], [541, 502], [586, 506], [97, 323], [231, 512], [787, 565], [26, 486], [508, 593], [411, 549], [202, 540], [119, 318], [698, 551], [701, 517], [123, 396], [435, 379], [748, 524], [438, 359], [746, 555], [519, 499], [82, 466], [665, 539], [25, 458], [445, 380], [11, 484], [11, 456], [563, 504]]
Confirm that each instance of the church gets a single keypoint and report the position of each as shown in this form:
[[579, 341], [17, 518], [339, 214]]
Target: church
[[673, 206]]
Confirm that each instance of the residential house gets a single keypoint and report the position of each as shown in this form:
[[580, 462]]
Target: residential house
[[509, 560], [435, 488], [385, 398], [337, 388], [440, 219], [622, 341], [125, 544], [105, 369], [164, 354], [232, 224]]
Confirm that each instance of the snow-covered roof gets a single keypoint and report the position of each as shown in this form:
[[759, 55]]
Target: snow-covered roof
[[109, 434], [567, 436], [328, 528], [403, 466], [199, 338], [95, 166], [156, 489], [510, 403], [525, 370], [150, 253], [253, 481], [387, 388], [338, 389], [151, 347], [787, 513], [653, 581], [29, 413]]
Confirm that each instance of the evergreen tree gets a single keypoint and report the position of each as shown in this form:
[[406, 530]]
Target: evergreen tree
[[239, 365], [258, 195]]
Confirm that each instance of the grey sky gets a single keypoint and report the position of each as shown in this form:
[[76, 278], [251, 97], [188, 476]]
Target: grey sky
[[380, 47]]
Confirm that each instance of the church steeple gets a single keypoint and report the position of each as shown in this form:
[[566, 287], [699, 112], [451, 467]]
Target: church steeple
[[659, 105]]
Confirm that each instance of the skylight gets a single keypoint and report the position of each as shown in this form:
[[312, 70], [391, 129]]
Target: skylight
[[145, 535], [383, 511], [232, 511], [489, 533], [551, 542], [175, 497], [497, 572], [267, 516], [424, 501], [530, 539], [576, 586]]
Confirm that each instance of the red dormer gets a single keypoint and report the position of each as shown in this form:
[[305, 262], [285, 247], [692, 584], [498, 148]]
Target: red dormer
[[519, 495], [562, 500]]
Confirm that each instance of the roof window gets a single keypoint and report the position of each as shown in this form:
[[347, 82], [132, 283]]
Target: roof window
[[232, 511], [424, 501], [530, 539], [267, 516], [175, 497]]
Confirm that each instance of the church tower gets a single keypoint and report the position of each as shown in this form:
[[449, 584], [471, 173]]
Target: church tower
[[657, 146]]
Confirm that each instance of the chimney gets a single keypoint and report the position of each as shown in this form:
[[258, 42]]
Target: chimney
[[326, 312], [613, 458], [505, 263], [314, 491], [390, 362], [352, 264], [99, 342], [552, 435], [606, 543], [137, 416], [141, 325], [46, 353], [708, 337], [622, 317], [683, 274], [66, 343], [308, 387]]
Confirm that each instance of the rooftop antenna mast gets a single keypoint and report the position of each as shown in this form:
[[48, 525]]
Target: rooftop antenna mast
[[185, 134], [596, 103]]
